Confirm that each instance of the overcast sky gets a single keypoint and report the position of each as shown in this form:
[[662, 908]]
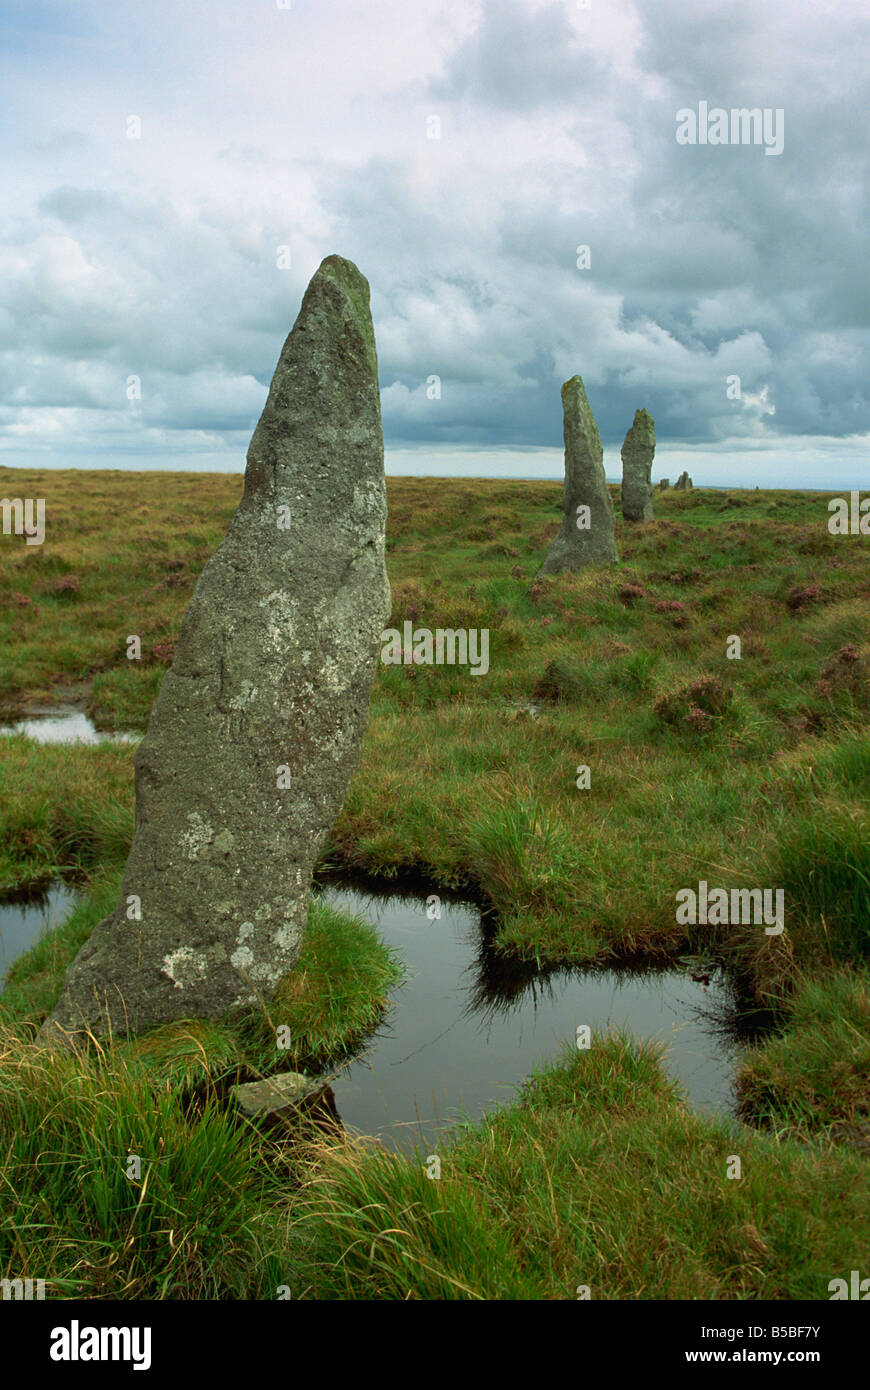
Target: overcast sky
[[307, 125]]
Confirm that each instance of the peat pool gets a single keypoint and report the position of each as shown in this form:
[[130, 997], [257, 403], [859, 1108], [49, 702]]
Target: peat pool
[[466, 1028]]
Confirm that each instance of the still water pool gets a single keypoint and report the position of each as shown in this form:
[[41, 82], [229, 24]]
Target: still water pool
[[63, 725], [465, 1029], [24, 917]]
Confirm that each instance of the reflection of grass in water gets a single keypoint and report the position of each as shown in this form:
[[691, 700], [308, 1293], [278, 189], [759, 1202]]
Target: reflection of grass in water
[[717, 1014]]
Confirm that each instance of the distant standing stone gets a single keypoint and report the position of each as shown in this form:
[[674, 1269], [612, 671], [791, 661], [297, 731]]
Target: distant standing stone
[[257, 728], [637, 458], [664, 484], [586, 534], [683, 483]]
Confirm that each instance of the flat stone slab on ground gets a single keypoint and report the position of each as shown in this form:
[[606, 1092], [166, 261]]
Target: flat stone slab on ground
[[275, 1094]]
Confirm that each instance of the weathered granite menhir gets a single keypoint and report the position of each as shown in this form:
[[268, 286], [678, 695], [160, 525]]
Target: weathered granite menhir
[[683, 483], [257, 727], [586, 534], [637, 459]]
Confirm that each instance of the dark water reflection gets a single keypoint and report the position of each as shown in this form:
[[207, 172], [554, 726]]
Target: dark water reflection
[[467, 1028], [26, 916]]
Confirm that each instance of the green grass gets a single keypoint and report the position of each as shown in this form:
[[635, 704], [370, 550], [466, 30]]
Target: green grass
[[625, 669], [823, 864], [62, 808], [598, 1177], [203, 1216], [334, 997], [189, 1226], [135, 560], [745, 773], [815, 1076]]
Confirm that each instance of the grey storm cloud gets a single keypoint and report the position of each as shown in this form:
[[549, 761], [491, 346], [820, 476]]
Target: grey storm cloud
[[557, 131], [706, 263]]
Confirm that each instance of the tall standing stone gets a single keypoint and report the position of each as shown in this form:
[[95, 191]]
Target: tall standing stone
[[683, 483], [637, 458], [257, 727], [586, 534]]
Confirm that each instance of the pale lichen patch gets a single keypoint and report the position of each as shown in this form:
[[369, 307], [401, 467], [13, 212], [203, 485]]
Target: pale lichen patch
[[199, 834], [184, 967], [245, 696], [243, 958]]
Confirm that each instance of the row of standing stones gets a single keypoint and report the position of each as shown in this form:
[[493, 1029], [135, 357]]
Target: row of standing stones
[[586, 536], [272, 674]]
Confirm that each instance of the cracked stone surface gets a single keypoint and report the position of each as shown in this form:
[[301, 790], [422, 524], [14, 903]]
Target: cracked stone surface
[[258, 725]]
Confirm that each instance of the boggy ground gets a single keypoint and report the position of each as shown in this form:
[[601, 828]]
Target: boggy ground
[[744, 773]]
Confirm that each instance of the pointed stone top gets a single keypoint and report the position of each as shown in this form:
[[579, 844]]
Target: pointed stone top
[[579, 422], [341, 268], [325, 386], [642, 433], [574, 386], [344, 275]]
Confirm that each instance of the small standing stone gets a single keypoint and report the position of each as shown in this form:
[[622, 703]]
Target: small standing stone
[[637, 458], [586, 534], [664, 484], [683, 483]]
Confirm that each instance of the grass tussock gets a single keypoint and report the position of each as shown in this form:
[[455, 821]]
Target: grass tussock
[[597, 1177], [79, 1212], [814, 1077]]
